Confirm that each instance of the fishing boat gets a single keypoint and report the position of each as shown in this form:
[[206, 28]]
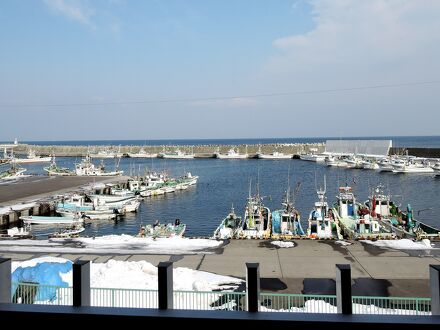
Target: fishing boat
[[31, 158], [273, 155], [87, 168], [286, 223], [257, 218], [412, 166], [311, 157], [16, 233], [354, 219], [403, 224], [231, 154], [44, 220], [176, 229], [436, 168], [177, 154], [142, 154], [229, 226], [55, 170], [321, 222], [66, 232], [13, 173]]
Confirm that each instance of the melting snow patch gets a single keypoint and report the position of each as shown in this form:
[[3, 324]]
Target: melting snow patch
[[402, 244], [343, 243], [282, 244]]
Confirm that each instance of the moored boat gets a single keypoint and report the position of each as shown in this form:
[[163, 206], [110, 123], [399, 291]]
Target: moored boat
[[321, 222], [176, 229], [31, 158], [231, 154], [229, 226], [286, 223], [13, 173], [257, 219], [55, 170], [402, 223], [354, 219]]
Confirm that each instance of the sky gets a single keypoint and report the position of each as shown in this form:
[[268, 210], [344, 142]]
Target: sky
[[176, 69]]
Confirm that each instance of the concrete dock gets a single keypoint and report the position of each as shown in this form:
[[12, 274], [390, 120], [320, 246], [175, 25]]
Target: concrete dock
[[309, 267], [40, 189]]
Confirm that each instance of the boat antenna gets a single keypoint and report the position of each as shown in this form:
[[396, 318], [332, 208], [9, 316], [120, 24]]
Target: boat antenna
[[288, 186]]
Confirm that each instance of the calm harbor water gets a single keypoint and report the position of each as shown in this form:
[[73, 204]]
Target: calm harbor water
[[223, 183]]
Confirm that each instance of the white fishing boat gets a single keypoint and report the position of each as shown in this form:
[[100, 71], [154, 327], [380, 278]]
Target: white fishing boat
[[16, 233], [321, 222], [87, 168], [13, 173], [44, 220], [177, 154], [229, 226], [231, 154], [142, 154], [436, 168], [412, 166], [107, 153], [335, 161], [31, 158], [312, 156], [66, 232], [353, 162], [273, 155]]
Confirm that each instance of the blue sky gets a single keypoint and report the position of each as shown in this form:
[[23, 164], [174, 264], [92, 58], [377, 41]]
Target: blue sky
[[74, 69]]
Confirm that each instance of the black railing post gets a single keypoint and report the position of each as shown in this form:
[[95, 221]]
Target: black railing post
[[434, 279], [343, 289], [253, 286], [165, 284], [5, 280], [81, 283]]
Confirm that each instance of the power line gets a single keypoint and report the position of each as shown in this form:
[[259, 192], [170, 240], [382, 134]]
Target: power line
[[218, 98]]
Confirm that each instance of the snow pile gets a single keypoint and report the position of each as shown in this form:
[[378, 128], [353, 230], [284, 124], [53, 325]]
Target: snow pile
[[343, 243], [282, 244], [321, 306], [165, 245], [402, 244], [21, 207], [138, 276], [131, 275], [116, 244]]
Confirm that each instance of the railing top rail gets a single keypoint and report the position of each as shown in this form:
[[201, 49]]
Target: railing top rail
[[392, 298], [297, 295]]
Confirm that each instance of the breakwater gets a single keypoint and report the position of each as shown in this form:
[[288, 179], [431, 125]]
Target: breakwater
[[202, 151]]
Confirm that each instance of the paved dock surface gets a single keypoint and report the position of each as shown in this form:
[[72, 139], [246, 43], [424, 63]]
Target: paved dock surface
[[309, 267], [35, 187]]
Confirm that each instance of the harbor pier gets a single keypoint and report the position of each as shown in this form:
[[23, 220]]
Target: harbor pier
[[35, 195], [200, 151]]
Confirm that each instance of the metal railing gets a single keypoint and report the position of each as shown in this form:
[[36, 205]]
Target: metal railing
[[210, 300], [32, 293], [391, 305], [297, 303], [133, 298]]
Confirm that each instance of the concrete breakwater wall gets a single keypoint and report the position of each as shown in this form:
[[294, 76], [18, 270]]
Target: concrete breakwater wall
[[198, 150]]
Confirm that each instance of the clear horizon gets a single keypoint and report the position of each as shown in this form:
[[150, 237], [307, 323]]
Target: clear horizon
[[186, 70]]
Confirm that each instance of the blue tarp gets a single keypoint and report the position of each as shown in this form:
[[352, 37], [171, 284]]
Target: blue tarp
[[276, 222], [44, 273]]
